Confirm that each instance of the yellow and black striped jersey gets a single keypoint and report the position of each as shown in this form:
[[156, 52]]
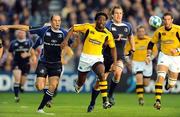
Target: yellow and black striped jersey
[[94, 40], [169, 39], [140, 48]]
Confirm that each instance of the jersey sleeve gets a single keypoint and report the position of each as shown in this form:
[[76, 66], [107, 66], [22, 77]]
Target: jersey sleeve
[[82, 27], [38, 30], [130, 29], [108, 25], [155, 37], [37, 43], [111, 42]]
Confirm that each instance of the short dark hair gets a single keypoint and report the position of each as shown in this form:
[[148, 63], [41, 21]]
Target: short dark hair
[[100, 14], [168, 14]]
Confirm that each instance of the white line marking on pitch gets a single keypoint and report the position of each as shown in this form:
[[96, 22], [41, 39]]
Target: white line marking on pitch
[[24, 106]]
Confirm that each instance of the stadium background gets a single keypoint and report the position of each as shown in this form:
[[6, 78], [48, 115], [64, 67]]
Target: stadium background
[[37, 12]]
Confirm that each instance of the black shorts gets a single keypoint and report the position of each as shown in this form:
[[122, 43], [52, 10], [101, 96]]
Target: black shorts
[[25, 68], [107, 63], [45, 69]]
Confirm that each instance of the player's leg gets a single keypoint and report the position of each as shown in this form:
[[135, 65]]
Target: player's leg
[[83, 68], [53, 82], [174, 70], [25, 71], [94, 94], [54, 71], [137, 69], [147, 73], [171, 80], [17, 79], [80, 81], [99, 69], [140, 87], [22, 83], [41, 72], [95, 90], [161, 74], [162, 69], [50, 102], [115, 78]]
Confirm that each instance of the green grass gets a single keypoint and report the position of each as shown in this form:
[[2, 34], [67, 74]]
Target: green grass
[[75, 105]]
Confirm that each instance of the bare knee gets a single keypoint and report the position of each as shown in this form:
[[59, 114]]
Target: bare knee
[[40, 86], [40, 83], [52, 87]]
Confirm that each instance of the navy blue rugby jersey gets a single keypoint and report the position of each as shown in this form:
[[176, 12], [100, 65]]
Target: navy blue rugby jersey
[[50, 41], [123, 29], [19, 46]]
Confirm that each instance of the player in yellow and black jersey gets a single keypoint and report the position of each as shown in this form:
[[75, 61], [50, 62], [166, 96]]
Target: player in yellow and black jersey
[[96, 35], [169, 58], [140, 67]]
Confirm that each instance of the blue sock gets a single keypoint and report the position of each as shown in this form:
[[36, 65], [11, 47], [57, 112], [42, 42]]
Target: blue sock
[[47, 96], [16, 89], [94, 95], [112, 88]]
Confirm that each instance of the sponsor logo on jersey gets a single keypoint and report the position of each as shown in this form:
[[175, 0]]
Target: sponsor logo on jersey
[[95, 41], [168, 41], [48, 34], [125, 29], [16, 44], [59, 35], [53, 41], [113, 28]]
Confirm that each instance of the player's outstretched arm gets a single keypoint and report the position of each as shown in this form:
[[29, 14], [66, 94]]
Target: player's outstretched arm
[[16, 27], [65, 42], [149, 52]]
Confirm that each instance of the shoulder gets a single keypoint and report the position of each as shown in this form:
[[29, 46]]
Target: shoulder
[[13, 41], [107, 32], [63, 30], [159, 29], [109, 23], [127, 24], [176, 26]]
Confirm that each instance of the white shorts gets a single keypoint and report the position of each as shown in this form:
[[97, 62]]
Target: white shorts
[[87, 61], [172, 62], [146, 69]]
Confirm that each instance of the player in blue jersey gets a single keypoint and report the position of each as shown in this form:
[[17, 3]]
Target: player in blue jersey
[[122, 32], [49, 63], [19, 51]]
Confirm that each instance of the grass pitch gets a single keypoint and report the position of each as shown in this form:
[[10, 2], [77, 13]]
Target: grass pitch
[[75, 105]]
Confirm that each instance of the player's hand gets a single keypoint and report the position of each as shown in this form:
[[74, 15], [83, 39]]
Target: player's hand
[[175, 51], [25, 55], [114, 67], [119, 37], [148, 59], [4, 28], [63, 44]]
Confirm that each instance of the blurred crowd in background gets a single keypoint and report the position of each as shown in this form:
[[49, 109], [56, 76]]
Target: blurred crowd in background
[[38, 12]]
